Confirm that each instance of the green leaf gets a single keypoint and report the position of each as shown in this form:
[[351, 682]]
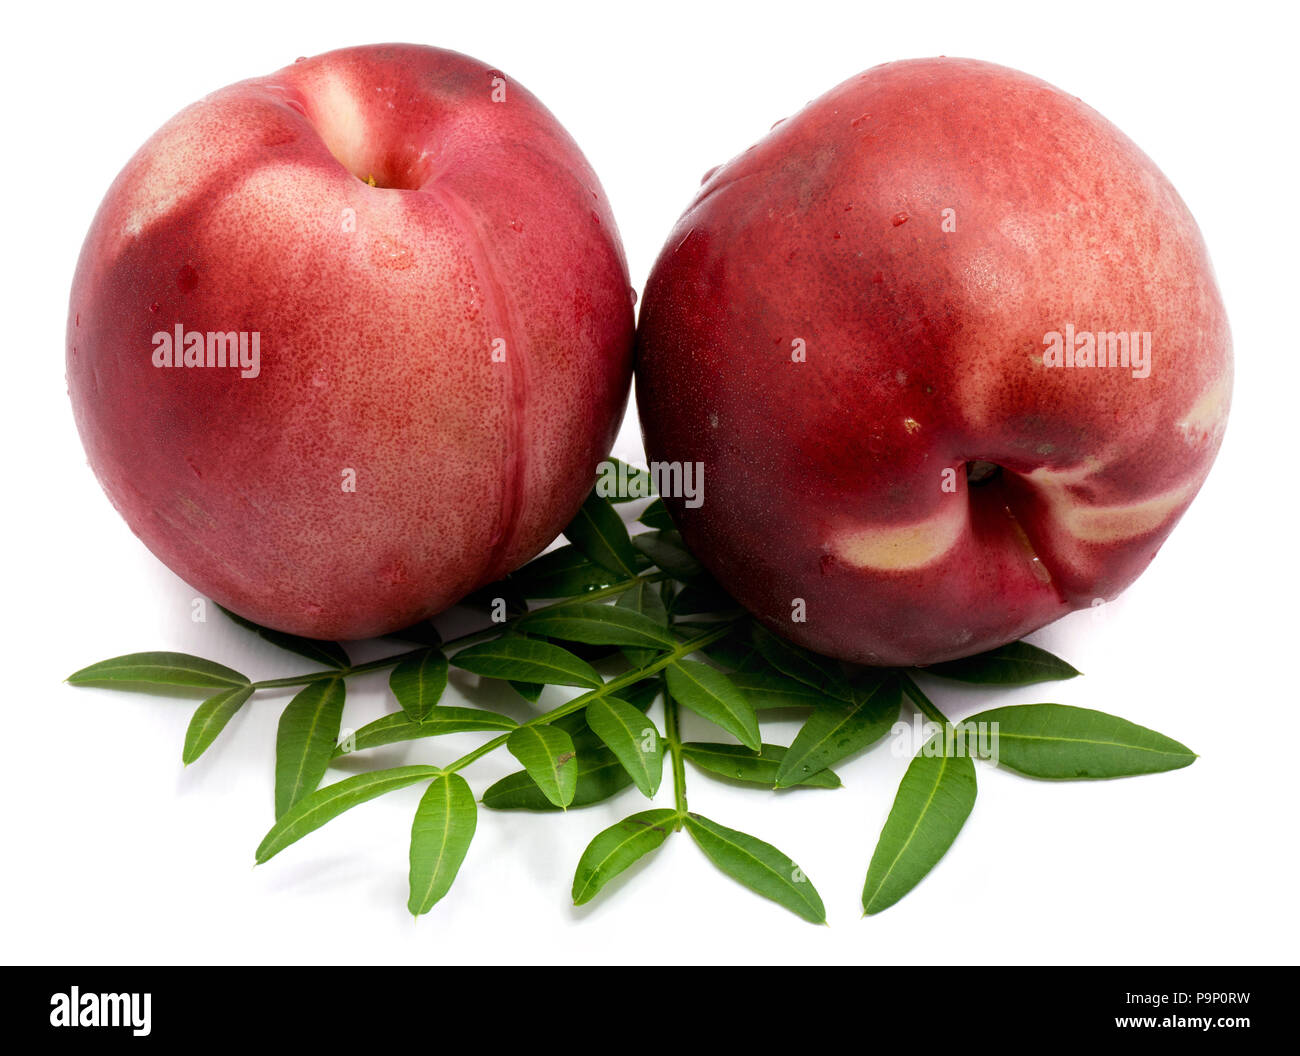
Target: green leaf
[[759, 866], [934, 799], [152, 670], [598, 531], [418, 683], [771, 689], [210, 719], [737, 651], [1058, 741], [330, 654], [591, 653], [563, 573], [399, 726], [1016, 664], [596, 624], [712, 695], [835, 733], [305, 740], [656, 516], [527, 660], [800, 664], [738, 763], [440, 835], [632, 738], [313, 811], [600, 775], [548, 756], [667, 550], [640, 695], [644, 599], [618, 847], [629, 482], [667, 588], [530, 691]]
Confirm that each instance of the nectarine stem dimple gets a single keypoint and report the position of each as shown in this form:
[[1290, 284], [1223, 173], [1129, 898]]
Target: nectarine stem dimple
[[978, 473]]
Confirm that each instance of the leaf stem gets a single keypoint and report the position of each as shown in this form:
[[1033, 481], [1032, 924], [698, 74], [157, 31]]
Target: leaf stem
[[620, 587], [672, 734], [628, 678], [923, 703]]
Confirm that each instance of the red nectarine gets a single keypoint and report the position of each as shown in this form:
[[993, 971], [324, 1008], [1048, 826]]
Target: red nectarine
[[348, 341], [940, 267]]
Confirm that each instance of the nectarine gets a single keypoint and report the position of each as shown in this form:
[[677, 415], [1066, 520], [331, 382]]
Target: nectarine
[[348, 341], [940, 270]]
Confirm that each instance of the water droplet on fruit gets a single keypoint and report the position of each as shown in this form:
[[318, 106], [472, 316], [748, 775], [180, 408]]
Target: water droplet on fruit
[[709, 175], [899, 219], [187, 278], [301, 58], [632, 291], [189, 461], [155, 307], [595, 217], [516, 225], [387, 252], [778, 121], [77, 320], [860, 120]]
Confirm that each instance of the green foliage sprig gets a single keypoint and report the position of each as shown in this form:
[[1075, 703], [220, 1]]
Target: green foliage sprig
[[642, 606]]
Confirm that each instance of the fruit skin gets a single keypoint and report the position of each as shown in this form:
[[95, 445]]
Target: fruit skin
[[377, 308], [924, 351]]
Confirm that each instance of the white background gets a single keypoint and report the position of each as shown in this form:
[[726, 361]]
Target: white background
[[112, 852]]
